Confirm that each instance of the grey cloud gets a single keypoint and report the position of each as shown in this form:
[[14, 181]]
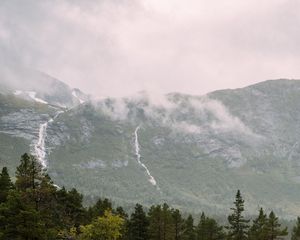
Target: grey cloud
[[119, 47]]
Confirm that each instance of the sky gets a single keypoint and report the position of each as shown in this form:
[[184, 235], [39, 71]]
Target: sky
[[119, 47]]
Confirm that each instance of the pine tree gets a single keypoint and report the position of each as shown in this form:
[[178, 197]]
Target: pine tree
[[5, 184], [29, 173], [258, 229], [273, 228], [29, 209], [69, 208], [138, 225], [168, 225], [125, 228], [21, 221], [161, 226], [208, 229], [296, 230], [155, 228], [178, 224], [189, 229], [238, 224]]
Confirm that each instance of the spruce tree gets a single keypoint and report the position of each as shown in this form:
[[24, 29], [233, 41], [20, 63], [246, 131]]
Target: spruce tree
[[70, 209], [125, 228], [189, 229], [178, 224], [21, 220], [167, 223], [138, 225], [296, 230], [99, 208], [208, 229], [161, 226], [258, 229], [238, 224], [273, 228], [5, 184], [155, 223]]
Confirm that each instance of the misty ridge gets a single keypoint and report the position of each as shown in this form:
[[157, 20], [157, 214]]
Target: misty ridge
[[149, 120], [212, 115]]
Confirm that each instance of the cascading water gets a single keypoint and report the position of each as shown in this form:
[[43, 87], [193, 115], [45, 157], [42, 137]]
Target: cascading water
[[39, 147], [138, 158]]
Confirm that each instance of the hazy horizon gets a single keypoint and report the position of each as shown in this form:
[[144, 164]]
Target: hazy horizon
[[118, 48]]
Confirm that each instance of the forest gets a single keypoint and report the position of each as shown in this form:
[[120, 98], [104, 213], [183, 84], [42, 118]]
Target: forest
[[34, 208]]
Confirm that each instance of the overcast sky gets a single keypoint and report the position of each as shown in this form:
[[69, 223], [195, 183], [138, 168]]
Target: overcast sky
[[119, 47]]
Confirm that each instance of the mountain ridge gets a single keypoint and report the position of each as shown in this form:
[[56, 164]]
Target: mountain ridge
[[199, 149]]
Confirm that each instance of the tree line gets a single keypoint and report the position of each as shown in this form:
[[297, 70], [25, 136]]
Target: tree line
[[33, 208]]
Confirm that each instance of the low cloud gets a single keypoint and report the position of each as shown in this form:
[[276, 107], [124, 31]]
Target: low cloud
[[119, 47], [184, 113]]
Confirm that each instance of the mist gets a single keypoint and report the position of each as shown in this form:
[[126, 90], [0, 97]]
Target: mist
[[117, 48]]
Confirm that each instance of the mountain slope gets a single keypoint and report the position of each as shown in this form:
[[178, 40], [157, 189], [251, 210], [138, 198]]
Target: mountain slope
[[199, 150], [192, 151]]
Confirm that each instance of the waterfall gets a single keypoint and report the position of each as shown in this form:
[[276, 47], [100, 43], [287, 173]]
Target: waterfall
[[39, 147], [151, 179]]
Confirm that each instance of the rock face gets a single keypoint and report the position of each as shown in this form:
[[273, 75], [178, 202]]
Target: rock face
[[192, 151]]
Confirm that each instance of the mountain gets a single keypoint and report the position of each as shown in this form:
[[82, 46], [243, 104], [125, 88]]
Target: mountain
[[38, 87], [193, 152]]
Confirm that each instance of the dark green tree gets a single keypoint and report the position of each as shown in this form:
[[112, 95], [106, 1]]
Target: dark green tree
[[70, 211], [29, 173], [208, 229], [99, 208], [178, 224], [5, 184], [21, 220], [258, 229], [138, 225], [161, 226], [296, 230], [238, 225], [273, 228], [167, 223], [189, 229], [125, 228], [28, 210]]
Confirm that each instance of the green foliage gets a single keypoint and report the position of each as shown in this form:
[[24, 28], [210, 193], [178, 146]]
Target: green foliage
[[29, 173], [5, 184], [138, 224], [35, 209], [208, 229], [99, 208], [296, 230], [21, 220], [189, 231], [125, 228], [161, 226], [238, 224], [69, 208], [258, 229], [107, 227], [273, 228], [179, 224]]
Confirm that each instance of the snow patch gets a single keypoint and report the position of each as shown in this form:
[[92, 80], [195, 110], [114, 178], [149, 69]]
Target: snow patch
[[18, 92], [75, 95], [33, 96]]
